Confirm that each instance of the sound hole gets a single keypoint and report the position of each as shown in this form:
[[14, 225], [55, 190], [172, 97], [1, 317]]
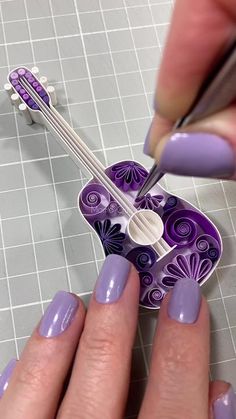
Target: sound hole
[[145, 227]]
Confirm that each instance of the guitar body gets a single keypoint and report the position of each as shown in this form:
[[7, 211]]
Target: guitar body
[[164, 236], [195, 243]]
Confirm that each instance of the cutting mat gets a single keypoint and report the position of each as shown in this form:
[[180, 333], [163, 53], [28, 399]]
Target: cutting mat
[[102, 56]]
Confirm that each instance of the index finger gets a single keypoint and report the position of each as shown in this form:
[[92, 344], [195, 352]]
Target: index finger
[[198, 33], [178, 381]]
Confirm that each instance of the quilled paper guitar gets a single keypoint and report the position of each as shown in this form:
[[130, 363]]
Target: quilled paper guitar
[[164, 236]]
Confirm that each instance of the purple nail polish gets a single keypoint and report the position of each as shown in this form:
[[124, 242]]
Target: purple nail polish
[[59, 314], [185, 301], [112, 279], [6, 376], [198, 154], [225, 406]]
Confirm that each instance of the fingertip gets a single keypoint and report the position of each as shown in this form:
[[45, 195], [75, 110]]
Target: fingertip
[[160, 126], [222, 400], [217, 389]]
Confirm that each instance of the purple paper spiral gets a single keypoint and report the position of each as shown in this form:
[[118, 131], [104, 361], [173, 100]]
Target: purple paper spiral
[[94, 200], [171, 203], [114, 209], [142, 257], [180, 228], [213, 253], [155, 296], [146, 279], [202, 245]]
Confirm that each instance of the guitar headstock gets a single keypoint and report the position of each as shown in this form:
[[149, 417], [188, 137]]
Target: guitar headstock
[[29, 93]]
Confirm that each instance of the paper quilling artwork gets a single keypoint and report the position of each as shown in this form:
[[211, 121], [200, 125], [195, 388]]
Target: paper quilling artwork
[[164, 236]]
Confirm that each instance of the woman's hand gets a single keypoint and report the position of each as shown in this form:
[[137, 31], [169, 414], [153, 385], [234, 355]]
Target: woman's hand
[[77, 365], [199, 31]]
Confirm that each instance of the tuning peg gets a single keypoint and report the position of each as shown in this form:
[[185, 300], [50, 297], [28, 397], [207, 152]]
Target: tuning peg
[[8, 88], [52, 93], [35, 71], [44, 81], [15, 99], [25, 113]]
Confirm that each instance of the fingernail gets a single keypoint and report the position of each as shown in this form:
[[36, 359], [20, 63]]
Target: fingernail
[[59, 314], [197, 154], [185, 300], [112, 279], [6, 376], [146, 143], [225, 406]]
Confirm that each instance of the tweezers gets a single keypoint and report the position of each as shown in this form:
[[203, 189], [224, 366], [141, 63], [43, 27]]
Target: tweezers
[[217, 92]]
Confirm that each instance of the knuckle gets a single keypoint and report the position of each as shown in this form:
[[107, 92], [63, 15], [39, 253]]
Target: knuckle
[[179, 357], [35, 372], [34, 375], [101, 345], [70, 409]]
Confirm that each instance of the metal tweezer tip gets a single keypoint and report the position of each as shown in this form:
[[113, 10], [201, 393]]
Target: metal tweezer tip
[[153, 177]]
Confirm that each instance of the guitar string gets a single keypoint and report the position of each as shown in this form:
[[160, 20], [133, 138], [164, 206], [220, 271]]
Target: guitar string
[[129, 209]]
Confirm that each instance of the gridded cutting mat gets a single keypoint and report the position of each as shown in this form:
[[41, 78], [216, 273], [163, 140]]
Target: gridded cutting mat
[[102, 56]]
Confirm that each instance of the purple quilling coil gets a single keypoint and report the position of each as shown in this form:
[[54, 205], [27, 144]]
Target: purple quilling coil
[[155, 296], [31, 103], [14, 75], [180, 228], [114, 209], [203, 243], [111, 236], [142, 257], [42, 93], [18, 87], [35, 107], [128, 175], [15, 82], [21, 71], [94, 201], [146, 279], [25, 97], [171, 203], [46, 99], [148, 201], [190, 267], [213, 253], [35, 84]]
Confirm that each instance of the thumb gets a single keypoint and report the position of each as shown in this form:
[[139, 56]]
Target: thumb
[[204, 149]]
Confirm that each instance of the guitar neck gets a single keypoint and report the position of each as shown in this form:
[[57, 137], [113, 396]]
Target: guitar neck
[[72, 143]]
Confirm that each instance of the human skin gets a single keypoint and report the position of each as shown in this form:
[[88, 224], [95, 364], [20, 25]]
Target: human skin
[[95, 349], [198, 34]]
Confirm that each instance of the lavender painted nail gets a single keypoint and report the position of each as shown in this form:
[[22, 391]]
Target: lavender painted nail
[[6, 376], [59, 314], [198, 154], [184, 304], [112, 279], [225, 406]]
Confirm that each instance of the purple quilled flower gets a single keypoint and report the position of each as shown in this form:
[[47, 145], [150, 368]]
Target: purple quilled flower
[[110, 235]]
